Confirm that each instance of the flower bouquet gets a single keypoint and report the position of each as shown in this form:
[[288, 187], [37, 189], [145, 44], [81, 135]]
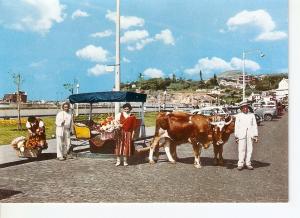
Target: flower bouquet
[[108, 129], [24, 149]]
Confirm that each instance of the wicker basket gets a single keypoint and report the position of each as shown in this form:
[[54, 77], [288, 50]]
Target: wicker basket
[[29, 152], [108, 135]]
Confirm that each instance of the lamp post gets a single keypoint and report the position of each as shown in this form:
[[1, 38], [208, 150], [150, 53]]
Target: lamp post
[[117, 65], [244, 56], [165, 99], [77, 106]]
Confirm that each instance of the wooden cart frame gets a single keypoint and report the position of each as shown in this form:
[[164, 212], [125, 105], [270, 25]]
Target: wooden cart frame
[[82, 134]]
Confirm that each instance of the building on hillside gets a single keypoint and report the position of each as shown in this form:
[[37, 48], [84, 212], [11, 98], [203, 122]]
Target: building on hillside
[[12, 97], [248, 79], [255, 97], [283, 89]]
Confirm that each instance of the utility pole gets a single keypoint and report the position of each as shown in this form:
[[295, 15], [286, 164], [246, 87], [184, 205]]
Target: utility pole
[[18, 80], [77, 105], [117, 64]]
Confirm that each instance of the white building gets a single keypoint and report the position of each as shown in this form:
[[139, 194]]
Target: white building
[[283, 89]]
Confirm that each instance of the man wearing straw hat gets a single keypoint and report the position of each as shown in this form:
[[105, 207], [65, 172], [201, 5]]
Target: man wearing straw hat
[[63, 123], [245, 133]]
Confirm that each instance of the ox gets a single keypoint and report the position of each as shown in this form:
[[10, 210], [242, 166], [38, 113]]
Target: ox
[[218, 147], [179, 127]]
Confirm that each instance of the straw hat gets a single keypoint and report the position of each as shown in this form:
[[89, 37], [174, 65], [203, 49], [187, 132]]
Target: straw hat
[[244, 103]]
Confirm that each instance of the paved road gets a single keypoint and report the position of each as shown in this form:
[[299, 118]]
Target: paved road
[[98, 180]]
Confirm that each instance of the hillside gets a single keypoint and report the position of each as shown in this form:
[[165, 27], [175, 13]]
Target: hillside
[[230, 73]]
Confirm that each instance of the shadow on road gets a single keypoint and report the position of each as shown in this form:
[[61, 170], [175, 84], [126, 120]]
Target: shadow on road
[[6, 193], [228, 163], [42, 157]]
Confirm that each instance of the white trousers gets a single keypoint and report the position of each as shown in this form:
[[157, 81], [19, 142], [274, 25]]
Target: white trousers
[[63, 144], [245, 151]]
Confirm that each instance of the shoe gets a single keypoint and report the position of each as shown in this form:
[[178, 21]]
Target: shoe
[[118, 163], [240, 167], [249, 167], [60, 158], [69, 156], [125, 164]]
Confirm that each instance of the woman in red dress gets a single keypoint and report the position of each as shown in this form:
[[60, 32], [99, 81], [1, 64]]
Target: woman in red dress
[[124, 144]]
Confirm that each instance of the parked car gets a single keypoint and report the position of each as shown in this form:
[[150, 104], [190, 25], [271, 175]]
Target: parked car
[[266, 113], [256, 106], [271, 105], [233, 110], [210, 110]]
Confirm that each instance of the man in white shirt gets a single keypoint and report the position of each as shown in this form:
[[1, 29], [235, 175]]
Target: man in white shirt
[[63, 123], [245, 133]]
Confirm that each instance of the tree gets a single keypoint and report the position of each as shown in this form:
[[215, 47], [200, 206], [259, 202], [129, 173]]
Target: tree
[[201, 79], [141, 77], [174, 78], [71, 86], [215, 80]]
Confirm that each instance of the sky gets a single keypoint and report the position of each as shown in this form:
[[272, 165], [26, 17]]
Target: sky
[[54, 42]]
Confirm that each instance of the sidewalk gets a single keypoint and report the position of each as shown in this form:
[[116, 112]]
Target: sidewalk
[[8, 154]]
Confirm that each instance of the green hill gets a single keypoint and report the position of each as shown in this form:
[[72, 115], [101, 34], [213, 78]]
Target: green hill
[[230, 73]]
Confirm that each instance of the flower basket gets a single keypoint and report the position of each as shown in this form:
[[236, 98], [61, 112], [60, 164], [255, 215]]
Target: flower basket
[[27, 153], [107, 135], [19, 144]]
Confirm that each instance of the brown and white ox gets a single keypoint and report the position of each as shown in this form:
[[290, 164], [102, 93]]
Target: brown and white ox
[[176, 128], [226, 132]]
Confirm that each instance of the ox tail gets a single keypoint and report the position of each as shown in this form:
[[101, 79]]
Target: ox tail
[[157, 127]]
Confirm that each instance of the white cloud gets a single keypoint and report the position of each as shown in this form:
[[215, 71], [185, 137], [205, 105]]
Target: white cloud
[[207, 65], [141, 39], [31, 15], [105, 33], [153, 73], [125, 60], [135, 35], [97, 70], [126, 21], [271, 36], [166, 36], [140, 45], [259, 18], [237, 63], [93, 53], [79, 13], [38, 63], [222, 31]]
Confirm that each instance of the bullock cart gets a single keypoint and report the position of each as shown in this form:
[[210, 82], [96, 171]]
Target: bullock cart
[[99, 136]]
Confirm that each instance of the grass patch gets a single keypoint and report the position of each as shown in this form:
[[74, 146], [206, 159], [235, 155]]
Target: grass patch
[[10, 132]]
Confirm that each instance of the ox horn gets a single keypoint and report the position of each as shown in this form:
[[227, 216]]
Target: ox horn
[[216, 123], [213, 123], [227, 123]]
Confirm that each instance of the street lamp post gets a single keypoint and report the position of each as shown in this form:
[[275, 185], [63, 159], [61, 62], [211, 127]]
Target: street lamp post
[[244, 56], [165, 99], [117, 66], [77, 106]]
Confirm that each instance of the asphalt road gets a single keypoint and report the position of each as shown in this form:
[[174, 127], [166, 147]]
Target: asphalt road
[[98, 180]]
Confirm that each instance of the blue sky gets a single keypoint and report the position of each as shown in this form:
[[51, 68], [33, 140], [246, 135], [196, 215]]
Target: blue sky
[[55, 41]]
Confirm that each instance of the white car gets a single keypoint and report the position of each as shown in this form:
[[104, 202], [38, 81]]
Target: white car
[[208, 111]]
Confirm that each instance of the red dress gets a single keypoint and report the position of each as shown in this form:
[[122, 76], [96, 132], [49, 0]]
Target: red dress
[[124, 143]]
